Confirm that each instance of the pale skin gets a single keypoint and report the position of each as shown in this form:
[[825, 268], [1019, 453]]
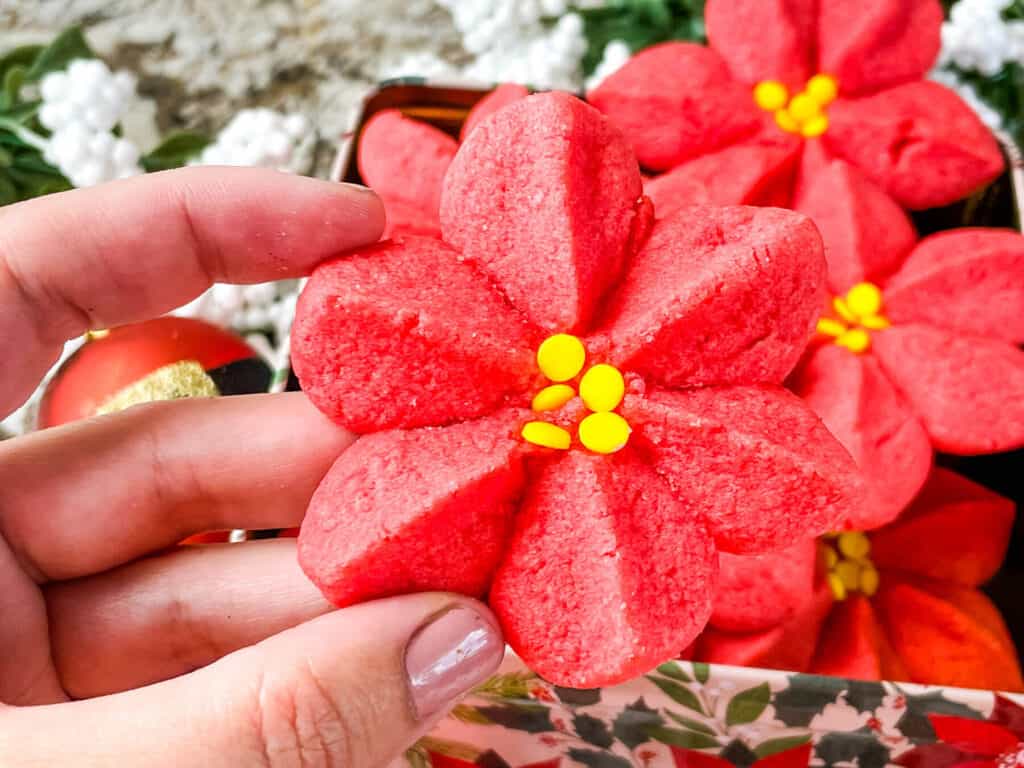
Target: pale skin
[[116, 647]]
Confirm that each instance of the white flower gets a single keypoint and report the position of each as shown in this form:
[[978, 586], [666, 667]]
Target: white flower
[[615, 56], [262, 137], [88, 157], [86, 93]]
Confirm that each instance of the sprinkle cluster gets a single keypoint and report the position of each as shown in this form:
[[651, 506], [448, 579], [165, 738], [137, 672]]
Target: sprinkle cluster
[[856, 315], [803, 113], [561, 359], [848, 564]]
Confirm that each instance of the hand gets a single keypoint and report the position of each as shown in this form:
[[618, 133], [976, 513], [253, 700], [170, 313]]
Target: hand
[[221, 655]]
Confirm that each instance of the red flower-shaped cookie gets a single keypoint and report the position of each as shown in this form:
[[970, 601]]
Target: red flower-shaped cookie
[[997, 742], [785, 86], [919, 347], [404, 160], [898, 603], [564, 409]]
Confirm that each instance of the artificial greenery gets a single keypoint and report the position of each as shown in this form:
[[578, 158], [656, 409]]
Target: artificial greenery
[[24, 173], [640, 23]]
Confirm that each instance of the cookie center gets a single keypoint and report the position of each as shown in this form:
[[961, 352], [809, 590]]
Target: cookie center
[[562, 359], [854, 317], [848, 565], [803, 113]]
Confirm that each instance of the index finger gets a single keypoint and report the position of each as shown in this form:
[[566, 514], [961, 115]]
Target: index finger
[[133, 249]]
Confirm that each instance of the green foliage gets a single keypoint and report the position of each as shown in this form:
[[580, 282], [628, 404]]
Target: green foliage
[[746, 706], [68, 46], [678, 693], [641, 24], [677, 737], [1004, 91], [175, 151]]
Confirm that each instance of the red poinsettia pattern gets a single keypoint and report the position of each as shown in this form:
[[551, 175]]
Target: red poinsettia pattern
[[997, 742]]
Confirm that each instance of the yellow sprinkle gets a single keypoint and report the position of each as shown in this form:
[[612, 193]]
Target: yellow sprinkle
[[831, 558], [875, 322], [786, 122], [849, 573], [547, 435], [841, 308], [552, 398], [823, 89], [561, 357], [837, 587], [829, 327], [854, 545], [814, 127], [802, 108], [864, 299], [604, 432], [856, 340], [869, 581], [602, 388], [771, 95]]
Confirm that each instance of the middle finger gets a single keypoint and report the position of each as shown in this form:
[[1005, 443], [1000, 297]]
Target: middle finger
[[92, 495]]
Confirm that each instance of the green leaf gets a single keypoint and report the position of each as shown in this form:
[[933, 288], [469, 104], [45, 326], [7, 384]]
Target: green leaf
[[914, 723], [693, 725], [673, 670], [417, 757], [6, 158], [68, 46], [468, 714], [678, 693], [578, 697], [520, 717], [701, 671], [746, 706], [592, 730], [174, 151], [630, 726], [806, 696], [13, 80], [594, 759], [8, 191], [22, 56], [685, 739], [775, 746], [22, 113], [861, 749]]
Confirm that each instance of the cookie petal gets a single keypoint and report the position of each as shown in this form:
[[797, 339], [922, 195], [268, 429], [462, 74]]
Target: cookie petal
[[403, 335], [495, 101], [404, 159], [675, 102], [719, 295], [877, 426], [920, 142], [956, 531], [418, 510], [543, 198], [606, 575], [754, 461], [966, 280], [744, 174], [866, 233], [757, 592], [868, 45], [968, 391], [790, 646], [764, 39]]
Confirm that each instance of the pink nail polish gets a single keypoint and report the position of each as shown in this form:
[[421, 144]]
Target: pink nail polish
[[448, 656]]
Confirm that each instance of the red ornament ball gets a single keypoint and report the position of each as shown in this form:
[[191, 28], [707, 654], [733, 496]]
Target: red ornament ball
[[162, 359]]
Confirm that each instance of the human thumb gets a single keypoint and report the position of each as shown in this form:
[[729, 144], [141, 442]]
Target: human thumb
[[352, 688]]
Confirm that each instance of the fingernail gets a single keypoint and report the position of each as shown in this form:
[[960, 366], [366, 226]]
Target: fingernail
[[448, 656], [359, 188]]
